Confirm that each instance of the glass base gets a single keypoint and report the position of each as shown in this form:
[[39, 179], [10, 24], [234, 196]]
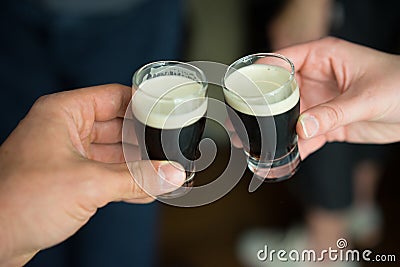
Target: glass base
[[276, 170], [183, 190]]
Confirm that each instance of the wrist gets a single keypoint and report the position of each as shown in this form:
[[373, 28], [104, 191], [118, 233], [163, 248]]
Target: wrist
[[9, 255], [5, 244], [16, 261]]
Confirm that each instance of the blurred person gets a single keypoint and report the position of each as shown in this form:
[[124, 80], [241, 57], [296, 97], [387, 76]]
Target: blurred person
[[63, 162], [49, 45]]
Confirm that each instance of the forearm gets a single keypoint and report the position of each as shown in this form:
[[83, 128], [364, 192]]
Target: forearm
[[12, 253]]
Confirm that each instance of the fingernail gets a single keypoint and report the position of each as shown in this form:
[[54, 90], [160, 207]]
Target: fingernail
[[172, 175], [309, 124]]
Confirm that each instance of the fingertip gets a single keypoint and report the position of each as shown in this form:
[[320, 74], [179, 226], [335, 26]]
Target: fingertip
[[229, 125], [307, 126], [146, 200], [154, 178], [236, 141], [172, 175]]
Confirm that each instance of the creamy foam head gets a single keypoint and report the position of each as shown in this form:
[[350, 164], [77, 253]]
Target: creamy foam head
[[261, 90], [169, 102]]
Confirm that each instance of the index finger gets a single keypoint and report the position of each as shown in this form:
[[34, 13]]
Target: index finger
[[110, 101], [297, 54], [101, 103]]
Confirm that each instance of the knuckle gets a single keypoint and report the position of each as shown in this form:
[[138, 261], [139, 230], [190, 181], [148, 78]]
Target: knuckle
[[334, 115], [137, 179], [47, 103], [332, 39], [42, 101], [94, 134]]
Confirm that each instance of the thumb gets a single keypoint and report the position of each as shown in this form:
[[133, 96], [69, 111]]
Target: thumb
[[156, 177], [144, 178], [331, 115]]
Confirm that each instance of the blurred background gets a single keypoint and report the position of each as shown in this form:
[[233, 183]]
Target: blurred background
[[342, 191]]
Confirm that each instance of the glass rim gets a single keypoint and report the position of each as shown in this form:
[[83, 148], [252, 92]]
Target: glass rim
[[259, 55], [203, 80]]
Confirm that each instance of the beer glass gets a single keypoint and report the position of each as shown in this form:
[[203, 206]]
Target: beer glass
[[169, 107], [261, 89]]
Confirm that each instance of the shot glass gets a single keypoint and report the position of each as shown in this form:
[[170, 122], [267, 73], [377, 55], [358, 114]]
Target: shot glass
[[263, 95], [169, 106]]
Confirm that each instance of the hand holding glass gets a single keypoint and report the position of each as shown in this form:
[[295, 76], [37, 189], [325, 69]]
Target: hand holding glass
[[262, 91], [169, 107]]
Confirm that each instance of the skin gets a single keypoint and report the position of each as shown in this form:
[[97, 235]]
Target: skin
[[62, 163]]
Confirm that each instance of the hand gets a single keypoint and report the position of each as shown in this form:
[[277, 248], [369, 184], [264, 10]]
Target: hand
[[62, 162], [348, 93]]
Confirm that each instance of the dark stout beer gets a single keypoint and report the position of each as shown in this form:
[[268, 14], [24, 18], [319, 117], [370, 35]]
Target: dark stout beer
[[261, 98], [260, 129], [169, 116], [180, 145]]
